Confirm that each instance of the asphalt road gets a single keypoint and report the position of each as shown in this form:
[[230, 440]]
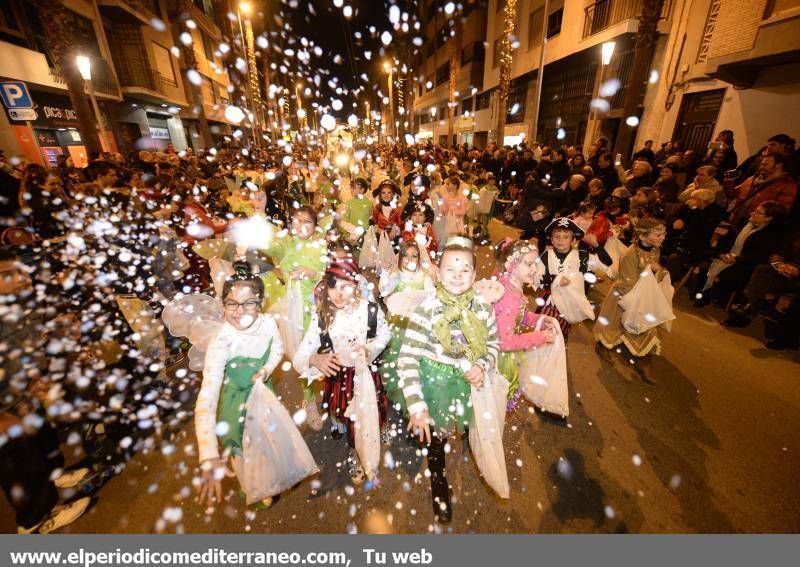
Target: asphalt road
[[714, 447]]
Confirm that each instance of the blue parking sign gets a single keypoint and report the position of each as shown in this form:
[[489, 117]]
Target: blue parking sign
[[15, 95]]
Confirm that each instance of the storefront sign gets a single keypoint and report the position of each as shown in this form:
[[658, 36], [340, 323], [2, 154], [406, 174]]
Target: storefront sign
[[159, 133]]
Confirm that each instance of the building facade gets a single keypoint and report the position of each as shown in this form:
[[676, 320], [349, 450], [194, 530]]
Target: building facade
[[138, 75]]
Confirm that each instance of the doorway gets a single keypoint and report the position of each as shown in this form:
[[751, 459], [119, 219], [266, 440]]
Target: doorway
[[697, 119]]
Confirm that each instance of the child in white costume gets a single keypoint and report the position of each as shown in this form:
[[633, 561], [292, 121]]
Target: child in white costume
[[240, 358], [346, 334]]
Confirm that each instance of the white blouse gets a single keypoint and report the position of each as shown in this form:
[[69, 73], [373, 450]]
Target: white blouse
[[347, 331], [230, 343]]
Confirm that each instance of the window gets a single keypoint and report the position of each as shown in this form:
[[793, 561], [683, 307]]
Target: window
[[163, 60], [466, 105], [496, 52], [535, 22], [208, 47], [554, 23], [207, 6], [482, 102], [443, 74], [516, 101], [472, 52]]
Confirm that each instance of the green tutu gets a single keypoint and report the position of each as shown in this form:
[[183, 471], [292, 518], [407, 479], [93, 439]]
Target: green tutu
[[447, 394], [387, 369]]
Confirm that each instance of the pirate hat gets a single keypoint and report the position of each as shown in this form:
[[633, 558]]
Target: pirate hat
[[565, 223]]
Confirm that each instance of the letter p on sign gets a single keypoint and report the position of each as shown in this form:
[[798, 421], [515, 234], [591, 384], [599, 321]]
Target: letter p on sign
[[15, 95]]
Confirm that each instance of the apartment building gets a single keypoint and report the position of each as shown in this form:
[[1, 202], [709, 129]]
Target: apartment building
[[138, 75], [431, 88], [728, 65], [573, 32], [27, 57]]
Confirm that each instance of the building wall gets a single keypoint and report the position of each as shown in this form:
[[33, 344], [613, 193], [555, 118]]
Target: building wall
[[754, 114]]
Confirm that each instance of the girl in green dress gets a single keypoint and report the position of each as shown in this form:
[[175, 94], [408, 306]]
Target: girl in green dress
[[247, 348], [300, 254]]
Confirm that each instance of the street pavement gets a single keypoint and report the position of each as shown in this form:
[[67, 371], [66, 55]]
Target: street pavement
[[713, 447]]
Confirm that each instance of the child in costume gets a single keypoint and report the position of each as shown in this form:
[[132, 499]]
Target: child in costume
[[521, 330], [564, 274], [408, 276], [345, 327], [301, 255], [453, 203], [357, 211], [246, 349], [387, 213], [419, 228], [449, 351], [610, 331]]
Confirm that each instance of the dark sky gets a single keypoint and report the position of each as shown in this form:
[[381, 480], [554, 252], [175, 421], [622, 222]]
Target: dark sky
[[344, 54]]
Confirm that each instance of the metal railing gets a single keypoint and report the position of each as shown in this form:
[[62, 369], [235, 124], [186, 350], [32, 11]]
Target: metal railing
[[103, 79], [606, 13], [138, 73]]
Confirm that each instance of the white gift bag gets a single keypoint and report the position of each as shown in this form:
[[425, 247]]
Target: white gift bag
[[615, 249], [571, 299], [385, 251], [486, 431], [543, 376], [363, 412], [486, 199], [274, 455], [369, 250], [288, 312], [648, 304]]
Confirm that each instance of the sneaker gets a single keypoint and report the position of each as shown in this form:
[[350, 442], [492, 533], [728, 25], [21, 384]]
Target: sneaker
[[313, 418], [59, 517], [354, 468], [68, 479]]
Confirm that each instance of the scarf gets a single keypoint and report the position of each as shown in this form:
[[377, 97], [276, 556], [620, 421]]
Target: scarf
[[458, 308]]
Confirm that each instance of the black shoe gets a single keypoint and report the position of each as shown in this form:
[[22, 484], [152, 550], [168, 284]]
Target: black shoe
[[440, 494], [778, 344], [737, 319]]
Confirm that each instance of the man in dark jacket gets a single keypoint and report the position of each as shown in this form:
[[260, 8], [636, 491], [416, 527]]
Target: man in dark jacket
[[689, 238], [606, 172]]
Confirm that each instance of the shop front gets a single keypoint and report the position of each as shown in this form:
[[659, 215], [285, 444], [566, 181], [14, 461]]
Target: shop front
[[53, 131]]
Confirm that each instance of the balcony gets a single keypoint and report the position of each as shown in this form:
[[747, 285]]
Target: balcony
[[139, 74], [606, 13], [129, 11], [103, 79]]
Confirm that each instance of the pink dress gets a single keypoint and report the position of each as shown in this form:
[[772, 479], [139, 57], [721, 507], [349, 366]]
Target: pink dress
[[457, 206], [512, 314]]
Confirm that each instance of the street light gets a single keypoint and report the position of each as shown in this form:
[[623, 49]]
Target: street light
[[85, 69]]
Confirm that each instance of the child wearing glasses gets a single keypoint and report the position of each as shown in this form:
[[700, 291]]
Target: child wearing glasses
[[247, 348]]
